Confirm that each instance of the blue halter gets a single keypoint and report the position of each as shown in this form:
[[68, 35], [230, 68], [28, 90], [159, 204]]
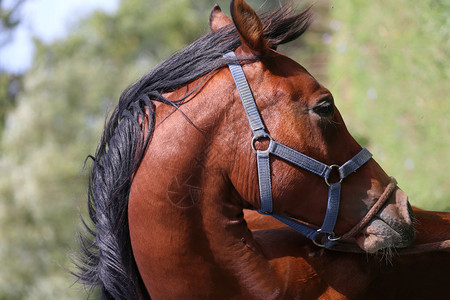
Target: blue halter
[[296, 158]]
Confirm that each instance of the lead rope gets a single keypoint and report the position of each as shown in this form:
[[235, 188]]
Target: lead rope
[[428, 247], [412, 249]]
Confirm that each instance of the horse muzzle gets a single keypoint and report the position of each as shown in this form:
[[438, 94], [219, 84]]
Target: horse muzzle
[[391, 227]]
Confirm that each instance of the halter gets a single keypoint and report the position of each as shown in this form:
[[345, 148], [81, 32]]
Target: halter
[[300, 160]]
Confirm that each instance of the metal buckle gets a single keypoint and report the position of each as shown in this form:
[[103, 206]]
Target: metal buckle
[[261, 136], [331, 237], [336, 167]]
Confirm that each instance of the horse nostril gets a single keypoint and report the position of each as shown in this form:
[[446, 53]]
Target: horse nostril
[[397, 213], [411, 213], [397, 209], [411, 233], [404, 207]]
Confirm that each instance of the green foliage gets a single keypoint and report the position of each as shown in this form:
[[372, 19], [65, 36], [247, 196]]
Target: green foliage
[[10, 84], [389, 73], [9, 19]]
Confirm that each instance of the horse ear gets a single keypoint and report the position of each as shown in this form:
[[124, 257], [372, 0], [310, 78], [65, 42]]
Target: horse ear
[[217, 19], [249, 26]]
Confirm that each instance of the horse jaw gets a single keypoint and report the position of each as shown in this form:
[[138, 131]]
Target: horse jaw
[[392, 227]]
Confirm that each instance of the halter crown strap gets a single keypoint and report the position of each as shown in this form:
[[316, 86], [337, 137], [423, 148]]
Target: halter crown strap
[[294, 157], [246, 94]]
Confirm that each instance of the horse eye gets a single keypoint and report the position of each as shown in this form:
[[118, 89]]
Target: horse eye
[[324, 109]]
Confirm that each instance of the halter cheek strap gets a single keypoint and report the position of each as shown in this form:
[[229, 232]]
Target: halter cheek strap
[[296, 158]]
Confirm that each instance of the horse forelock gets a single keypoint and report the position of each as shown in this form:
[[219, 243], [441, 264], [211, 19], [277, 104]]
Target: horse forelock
[[107, 260]]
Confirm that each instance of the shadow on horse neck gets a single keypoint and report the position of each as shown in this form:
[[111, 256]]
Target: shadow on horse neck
[[176, 166]]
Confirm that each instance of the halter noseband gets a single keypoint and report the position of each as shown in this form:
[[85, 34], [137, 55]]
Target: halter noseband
[[298, 159]]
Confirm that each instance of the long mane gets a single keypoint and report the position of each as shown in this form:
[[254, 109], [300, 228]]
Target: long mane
[[107, 260]]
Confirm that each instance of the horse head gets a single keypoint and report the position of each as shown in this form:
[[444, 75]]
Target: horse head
[[300, 113]]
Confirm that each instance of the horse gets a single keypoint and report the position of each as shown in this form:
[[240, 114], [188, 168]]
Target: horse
[[419, 271], [227, 124]]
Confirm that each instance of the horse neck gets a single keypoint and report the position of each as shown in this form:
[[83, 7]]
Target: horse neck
[[431, 226], [184, 218]]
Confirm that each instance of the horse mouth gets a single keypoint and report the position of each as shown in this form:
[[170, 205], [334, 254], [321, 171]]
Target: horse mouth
[[392, 227], [380, 235]]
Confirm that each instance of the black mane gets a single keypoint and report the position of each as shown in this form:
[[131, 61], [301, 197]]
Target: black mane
[[107, 260]]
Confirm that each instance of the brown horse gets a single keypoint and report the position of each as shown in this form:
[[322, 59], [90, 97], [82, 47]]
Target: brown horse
[[178, 163], [417, 272]]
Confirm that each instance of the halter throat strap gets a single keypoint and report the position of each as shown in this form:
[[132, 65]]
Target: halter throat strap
[[324, 236]]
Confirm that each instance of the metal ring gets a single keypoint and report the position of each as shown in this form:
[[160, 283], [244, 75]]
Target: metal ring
[[331, 237], [261, 136], [316, 242], [328, 175]]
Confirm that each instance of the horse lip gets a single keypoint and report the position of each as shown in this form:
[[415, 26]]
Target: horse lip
[[406, 232], [381, 233]]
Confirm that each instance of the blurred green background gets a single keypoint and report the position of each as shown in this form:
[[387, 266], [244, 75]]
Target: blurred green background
[[387, 63]]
